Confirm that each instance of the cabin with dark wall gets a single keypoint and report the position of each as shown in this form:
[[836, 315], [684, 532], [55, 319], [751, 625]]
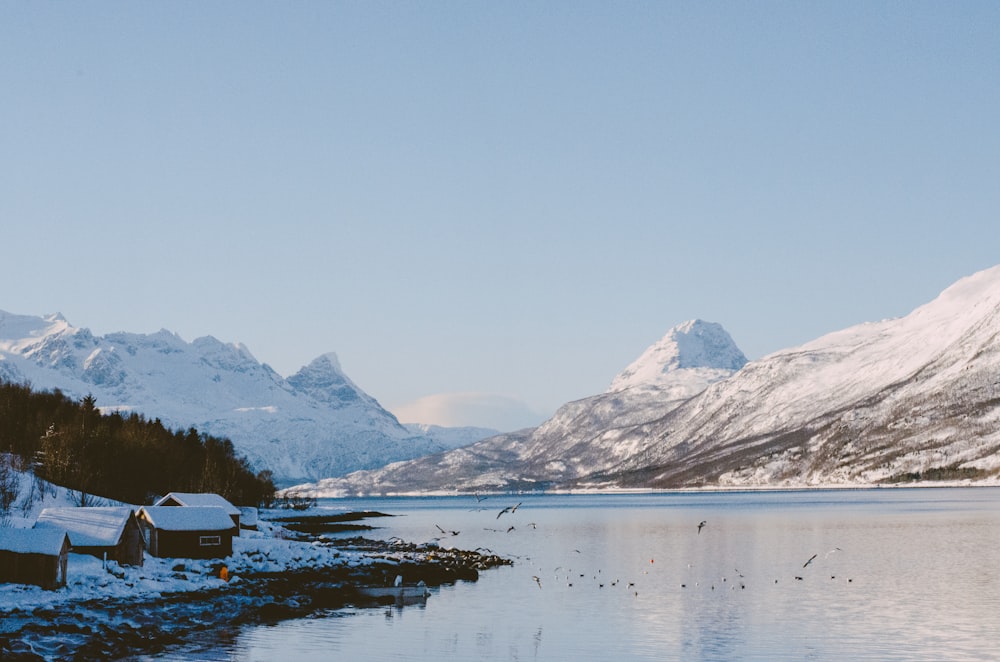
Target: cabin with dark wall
[[30, 556], [193, 499], [194, 532], [107, 533]]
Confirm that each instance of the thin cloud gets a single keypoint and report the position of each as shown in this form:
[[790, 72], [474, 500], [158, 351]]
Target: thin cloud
[[489, 410]]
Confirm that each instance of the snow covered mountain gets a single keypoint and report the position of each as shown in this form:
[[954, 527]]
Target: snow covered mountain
[[314, 424], [913, 398], [688, 357], [677, 367]]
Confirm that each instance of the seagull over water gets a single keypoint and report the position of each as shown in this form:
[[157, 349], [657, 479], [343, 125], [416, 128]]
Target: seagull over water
[[809, 561], [701, 524], [508, 509]]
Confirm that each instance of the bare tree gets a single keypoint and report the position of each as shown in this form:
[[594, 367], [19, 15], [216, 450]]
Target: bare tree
[[10, 483]]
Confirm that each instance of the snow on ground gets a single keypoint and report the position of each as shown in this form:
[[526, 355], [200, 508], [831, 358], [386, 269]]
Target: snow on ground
[[36, 496], [253, 552], [269, 549]]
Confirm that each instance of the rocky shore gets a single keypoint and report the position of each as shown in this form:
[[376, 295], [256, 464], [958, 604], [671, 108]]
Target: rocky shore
[[121, 627]]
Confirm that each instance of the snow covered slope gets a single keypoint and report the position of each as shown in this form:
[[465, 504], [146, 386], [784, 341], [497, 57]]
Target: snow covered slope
[[901, 400], [314, 424], [913, 397]]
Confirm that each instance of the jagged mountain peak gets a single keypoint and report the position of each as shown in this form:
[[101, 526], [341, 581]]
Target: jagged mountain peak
[[691, 345], [324, 380], [324, 370], [326, 362]]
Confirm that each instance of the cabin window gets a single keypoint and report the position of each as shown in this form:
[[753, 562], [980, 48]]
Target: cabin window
[[209, 541]]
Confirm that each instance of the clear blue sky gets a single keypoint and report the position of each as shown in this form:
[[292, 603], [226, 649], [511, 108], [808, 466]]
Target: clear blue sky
[[502, 202]]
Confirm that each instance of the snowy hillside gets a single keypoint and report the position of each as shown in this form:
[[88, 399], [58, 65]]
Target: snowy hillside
[[314, 424], [885, 401], [901, 400]]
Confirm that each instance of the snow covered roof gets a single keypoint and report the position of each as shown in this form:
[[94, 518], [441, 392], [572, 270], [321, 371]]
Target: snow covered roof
[[193, 518], [87, 527], [199, 499], [32, 541], [248, 516]]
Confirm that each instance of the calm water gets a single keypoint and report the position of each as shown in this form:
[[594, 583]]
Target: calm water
[[898, 575]]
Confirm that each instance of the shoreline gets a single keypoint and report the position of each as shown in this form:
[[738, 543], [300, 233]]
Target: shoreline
[[708, 489], [273, 580]]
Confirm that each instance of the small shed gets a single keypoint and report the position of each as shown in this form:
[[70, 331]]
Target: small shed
[[193, 499], [107, 533], [194, 532], [34, 556]]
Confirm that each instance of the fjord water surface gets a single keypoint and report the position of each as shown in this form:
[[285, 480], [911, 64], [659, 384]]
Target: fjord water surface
[[884, 574]]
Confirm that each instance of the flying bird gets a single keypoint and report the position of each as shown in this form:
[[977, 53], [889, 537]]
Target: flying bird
[[809, 561], [701, 524], [508, 509], [537, 580], [454, 533]]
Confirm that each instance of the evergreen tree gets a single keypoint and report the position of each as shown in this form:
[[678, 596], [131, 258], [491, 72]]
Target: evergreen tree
[[129, 458]]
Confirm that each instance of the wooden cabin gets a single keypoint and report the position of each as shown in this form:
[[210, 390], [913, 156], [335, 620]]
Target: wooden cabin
[[192, 499], [193, 532], [107, 533], [34, 556]]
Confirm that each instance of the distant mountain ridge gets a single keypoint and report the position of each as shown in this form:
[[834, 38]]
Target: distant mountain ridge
[[683, 363], [910, 399], [315, 424]]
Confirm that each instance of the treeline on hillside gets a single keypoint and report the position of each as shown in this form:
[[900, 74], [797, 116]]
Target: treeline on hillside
[[120, 456]]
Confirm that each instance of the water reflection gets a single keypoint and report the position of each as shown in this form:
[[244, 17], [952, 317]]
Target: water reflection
[[897, 574]]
